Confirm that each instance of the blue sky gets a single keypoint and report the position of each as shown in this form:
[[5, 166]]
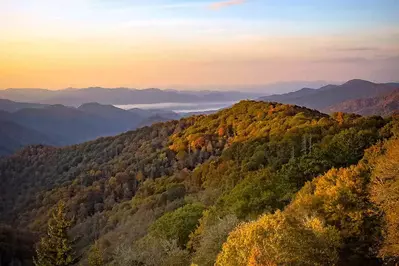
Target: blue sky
[[202, 42], [296, 17]]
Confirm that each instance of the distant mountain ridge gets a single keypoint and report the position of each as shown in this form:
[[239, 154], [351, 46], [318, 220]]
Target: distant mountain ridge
[[14, 136], [68, 125], [120, 96], [381, 105], [23, 124], [329, 95], [11, 106]]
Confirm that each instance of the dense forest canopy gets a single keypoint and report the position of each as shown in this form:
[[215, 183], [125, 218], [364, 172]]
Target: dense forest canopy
[[256, 184]]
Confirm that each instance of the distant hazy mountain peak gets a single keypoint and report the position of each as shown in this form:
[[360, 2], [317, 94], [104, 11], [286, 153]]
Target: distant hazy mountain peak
[[331, 95], [307, 89], [120, 96], [358, 82], [59, 106], [94, 104]]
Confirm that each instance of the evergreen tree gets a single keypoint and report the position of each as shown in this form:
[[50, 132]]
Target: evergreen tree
[[55, 249], [95, 257]]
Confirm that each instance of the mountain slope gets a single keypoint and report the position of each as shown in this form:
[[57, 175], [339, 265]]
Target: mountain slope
[[69, 125], [10, 106], [319, 226], [173, 191], [14, 136], [332, 94], [66, 124], [123, 120], [381, 105], [147, 113], [291, 96]]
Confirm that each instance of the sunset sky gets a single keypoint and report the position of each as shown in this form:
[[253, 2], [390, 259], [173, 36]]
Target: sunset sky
[[152, 43]]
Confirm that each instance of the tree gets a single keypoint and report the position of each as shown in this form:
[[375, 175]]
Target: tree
[[95, 258], [56, 248], [151, 251], [339, 198], [385, 194], [209, 238], [178, 225], [279, 239]]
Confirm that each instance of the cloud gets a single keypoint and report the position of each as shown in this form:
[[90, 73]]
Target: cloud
[[223, 4], [343, 60], [354, 49], [349, 60]]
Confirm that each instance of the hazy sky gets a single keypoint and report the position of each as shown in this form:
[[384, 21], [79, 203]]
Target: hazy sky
[[154, 43]]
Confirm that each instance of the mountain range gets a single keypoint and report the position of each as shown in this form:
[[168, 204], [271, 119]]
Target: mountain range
[[59, 125], [120, 96], [326, 97], [25, 123], [384, 104]]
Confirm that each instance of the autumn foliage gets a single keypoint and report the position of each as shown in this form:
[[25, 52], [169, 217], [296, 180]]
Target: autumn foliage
[[255, 184]]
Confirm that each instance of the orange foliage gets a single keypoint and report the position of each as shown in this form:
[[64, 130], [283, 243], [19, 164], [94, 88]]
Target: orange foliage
[[221, 131]]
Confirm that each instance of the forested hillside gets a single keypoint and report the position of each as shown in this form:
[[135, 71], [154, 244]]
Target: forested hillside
[[385, 104], [325, 97], [256, 184]]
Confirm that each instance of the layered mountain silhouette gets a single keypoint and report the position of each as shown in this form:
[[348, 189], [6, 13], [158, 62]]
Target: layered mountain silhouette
[[25, 123], [120, 96], [385, 104], [11, 106], [14, 136], [60, 125], [325, 97]]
